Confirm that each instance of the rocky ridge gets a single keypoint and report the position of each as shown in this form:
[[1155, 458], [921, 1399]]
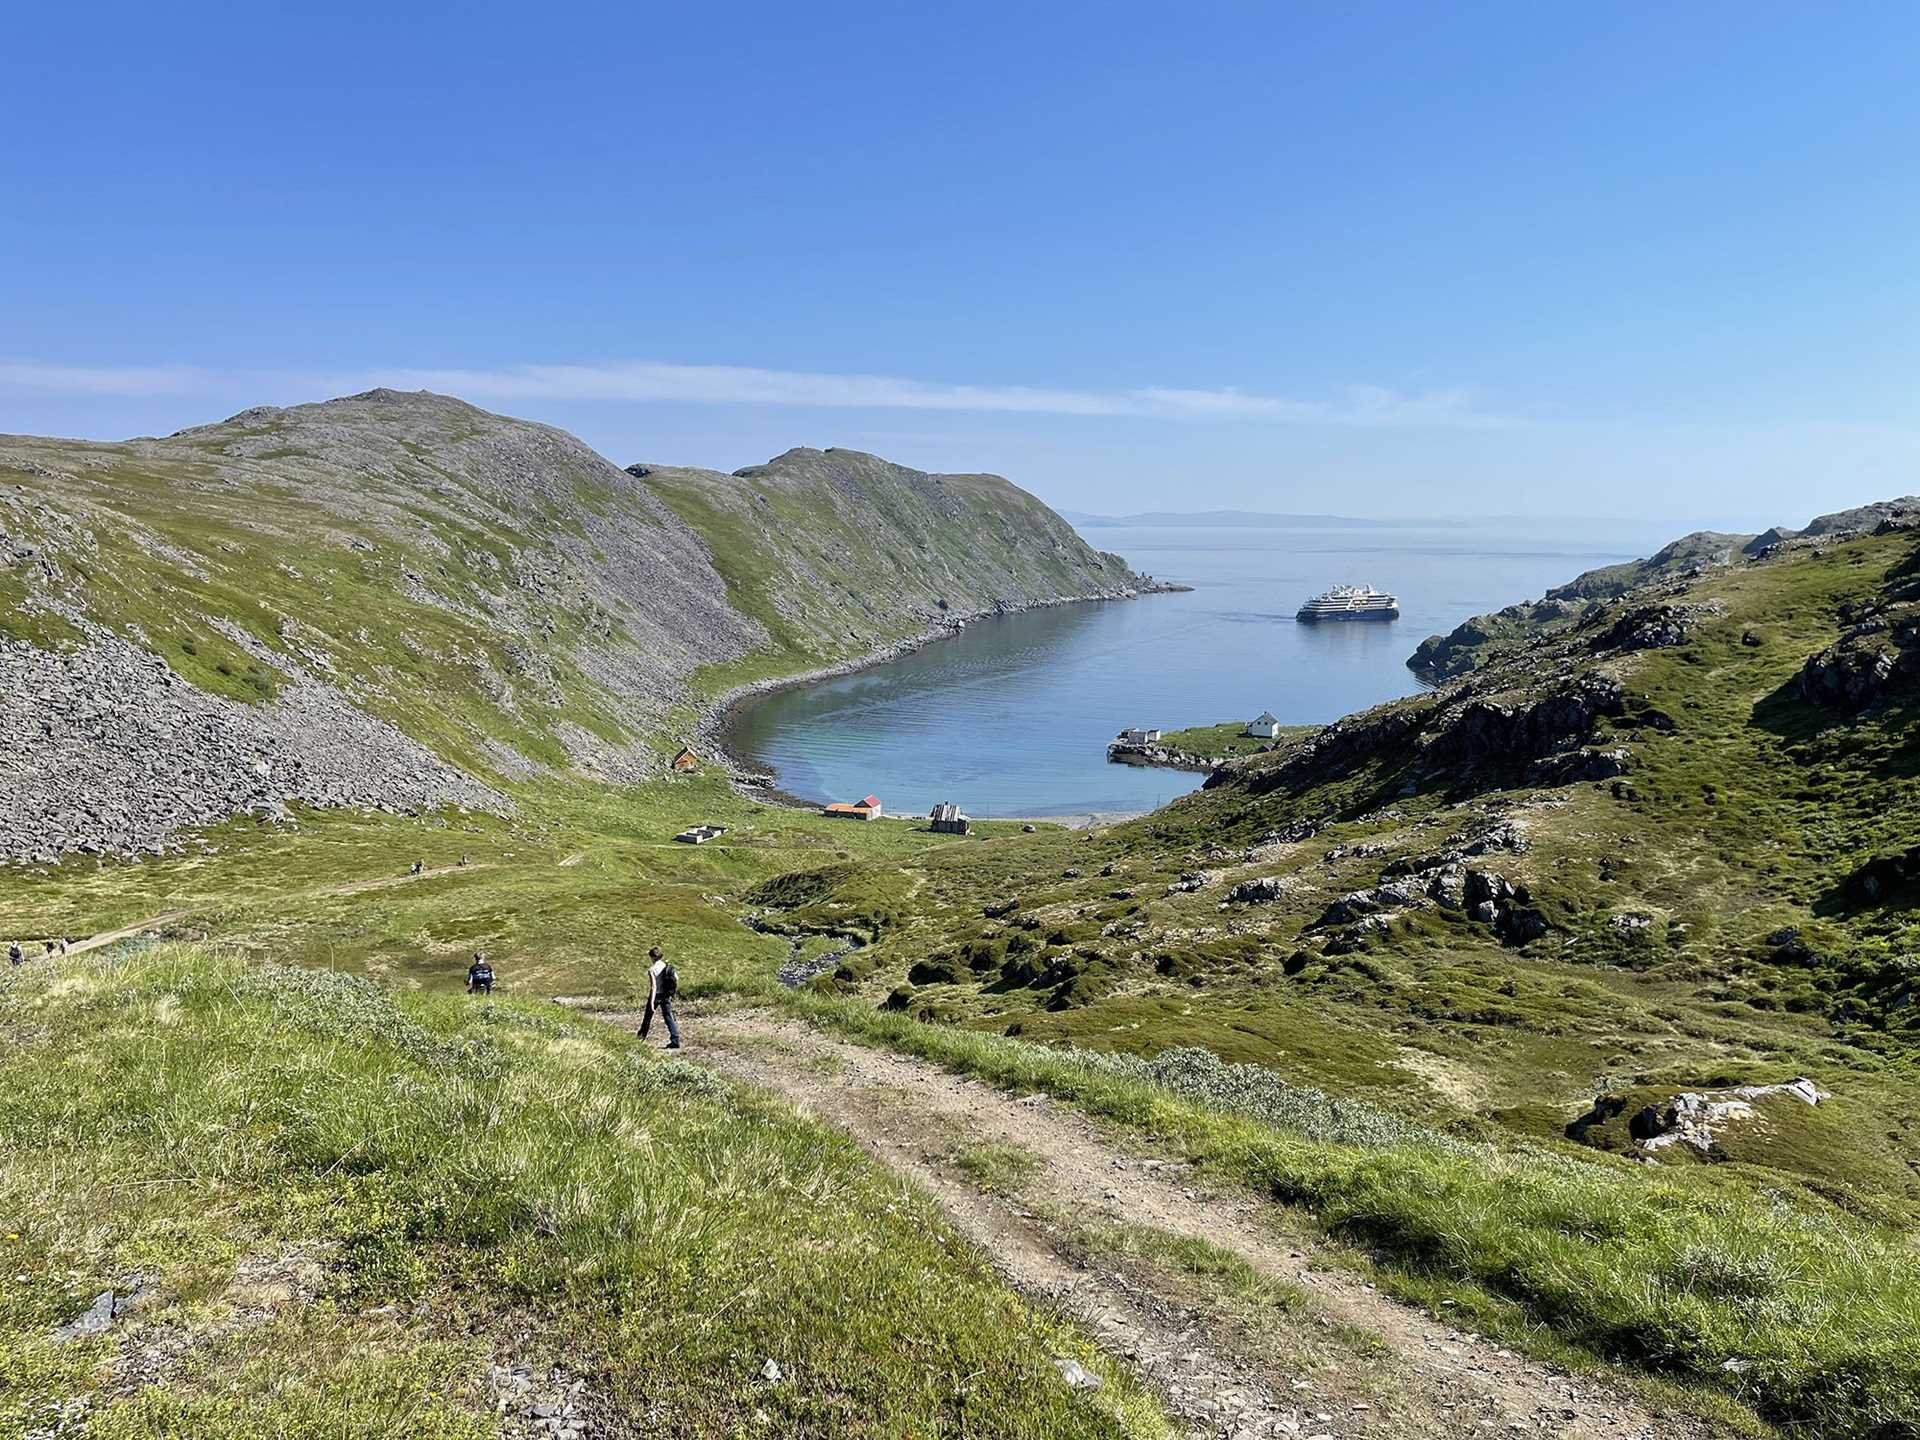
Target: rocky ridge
[[402, 601], [1469, 644]]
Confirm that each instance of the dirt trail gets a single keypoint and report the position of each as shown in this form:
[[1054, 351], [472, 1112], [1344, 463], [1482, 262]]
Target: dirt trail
[[1305, 1377], [342, 887]]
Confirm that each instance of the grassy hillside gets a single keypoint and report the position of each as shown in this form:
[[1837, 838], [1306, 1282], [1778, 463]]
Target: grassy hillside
[[1478, 639], [487, 587], [1695, 844], [1707, 844], [836, 553], [1421, 975], [322, 1210]]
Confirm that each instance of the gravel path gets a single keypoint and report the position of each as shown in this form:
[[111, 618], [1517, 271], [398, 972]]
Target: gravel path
[[1407, 1375], [344, 887]]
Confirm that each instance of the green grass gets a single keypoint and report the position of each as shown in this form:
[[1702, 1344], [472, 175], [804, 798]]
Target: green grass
[[1413, 1093], [1224, 741], [997, 1167], [505, 1179], [566, 899], [1675, 1271]]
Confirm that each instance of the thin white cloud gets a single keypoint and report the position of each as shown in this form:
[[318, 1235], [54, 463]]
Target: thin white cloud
[[658, 382], [742, 385], [105, 379]]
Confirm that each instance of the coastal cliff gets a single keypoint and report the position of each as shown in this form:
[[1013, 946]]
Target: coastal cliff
[[400, 601]]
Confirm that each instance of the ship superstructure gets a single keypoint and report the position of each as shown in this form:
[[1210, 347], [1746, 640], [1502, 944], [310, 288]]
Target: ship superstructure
[[1350, 602]]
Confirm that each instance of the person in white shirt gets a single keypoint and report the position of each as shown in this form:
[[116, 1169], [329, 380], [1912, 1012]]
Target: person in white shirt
[[662, 986]]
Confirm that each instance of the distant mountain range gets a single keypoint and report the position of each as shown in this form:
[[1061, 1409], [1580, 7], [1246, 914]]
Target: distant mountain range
[[1197, 519]]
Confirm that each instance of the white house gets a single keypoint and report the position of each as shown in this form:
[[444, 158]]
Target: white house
[[1140, 737], [1265, 728]]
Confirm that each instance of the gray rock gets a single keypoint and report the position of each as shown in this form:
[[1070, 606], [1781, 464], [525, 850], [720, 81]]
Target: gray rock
[[1077, 1376], [93, 1321], [1260, 891]]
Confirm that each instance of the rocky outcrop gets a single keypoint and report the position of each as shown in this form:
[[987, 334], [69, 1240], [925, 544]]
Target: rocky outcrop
[[1695, 1117], [1882, 877], [1504, 907], [1133, 752], [117, 755], [1262, 890], [1876, 655], [1656, 627], [1481, 639], [1523, 728], [1571, 767]]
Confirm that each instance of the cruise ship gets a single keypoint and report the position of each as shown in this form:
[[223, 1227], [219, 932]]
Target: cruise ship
[[1351, 602]]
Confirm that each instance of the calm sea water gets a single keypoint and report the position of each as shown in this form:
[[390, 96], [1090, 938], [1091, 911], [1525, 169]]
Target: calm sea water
[[1012, 716]]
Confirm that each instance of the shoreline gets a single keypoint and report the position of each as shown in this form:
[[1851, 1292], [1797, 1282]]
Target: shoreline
[[713, 717], [1158, 757]]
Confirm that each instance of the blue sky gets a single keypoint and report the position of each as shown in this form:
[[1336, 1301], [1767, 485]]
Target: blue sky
[[1632, 260]]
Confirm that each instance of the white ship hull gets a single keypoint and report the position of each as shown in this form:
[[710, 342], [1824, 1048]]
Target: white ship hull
[[1350, 602]]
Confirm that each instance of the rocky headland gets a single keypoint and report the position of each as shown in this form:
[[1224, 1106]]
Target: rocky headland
[[402, 602]]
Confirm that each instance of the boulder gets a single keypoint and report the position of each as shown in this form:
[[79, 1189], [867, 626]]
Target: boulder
[[1571, 767], [1261, 891], [1695, 1117]]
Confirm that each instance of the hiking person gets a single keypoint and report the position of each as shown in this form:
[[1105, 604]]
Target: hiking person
[[418, 866], [479, 975], [662, 986], [51, 948], [14, 957]]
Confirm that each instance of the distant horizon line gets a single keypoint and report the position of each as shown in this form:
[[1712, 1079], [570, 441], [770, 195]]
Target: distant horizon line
[[1199, 519]]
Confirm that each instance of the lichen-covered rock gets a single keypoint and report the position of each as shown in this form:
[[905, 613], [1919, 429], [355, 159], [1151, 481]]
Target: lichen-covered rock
[[1656, 627], [1261, 891], [1571, 767], [1696, 1116], [1866, 663]]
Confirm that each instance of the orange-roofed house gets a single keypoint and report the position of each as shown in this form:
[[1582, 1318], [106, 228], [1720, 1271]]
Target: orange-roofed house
[[686, 759], [867, 809]]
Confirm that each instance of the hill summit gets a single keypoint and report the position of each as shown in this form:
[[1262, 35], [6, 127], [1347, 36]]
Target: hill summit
[[399, 600]]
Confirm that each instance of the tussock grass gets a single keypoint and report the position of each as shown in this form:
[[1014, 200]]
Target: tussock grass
[[477, 1180], [997, 1167]]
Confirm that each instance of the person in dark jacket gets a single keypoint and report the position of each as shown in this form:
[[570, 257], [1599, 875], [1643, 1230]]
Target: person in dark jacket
[[479, 975], [662, 986], [14, 955]]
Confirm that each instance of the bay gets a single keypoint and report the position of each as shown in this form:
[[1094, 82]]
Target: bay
[[1011, 717]]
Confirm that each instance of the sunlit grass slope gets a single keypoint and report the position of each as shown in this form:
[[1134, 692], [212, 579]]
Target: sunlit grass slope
[[340, 1207]]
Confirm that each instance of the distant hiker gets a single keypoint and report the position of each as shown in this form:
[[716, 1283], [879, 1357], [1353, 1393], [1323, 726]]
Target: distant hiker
[[662, 986], [463, 862], [52, 946], [63, 944], [480, 975], [418, 865], [14, 957]]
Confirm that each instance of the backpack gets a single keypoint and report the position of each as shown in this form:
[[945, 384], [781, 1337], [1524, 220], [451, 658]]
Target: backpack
[[668, 984], [481, 975]]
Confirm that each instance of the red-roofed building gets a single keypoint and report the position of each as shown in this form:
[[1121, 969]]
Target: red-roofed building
[[867, 809]]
